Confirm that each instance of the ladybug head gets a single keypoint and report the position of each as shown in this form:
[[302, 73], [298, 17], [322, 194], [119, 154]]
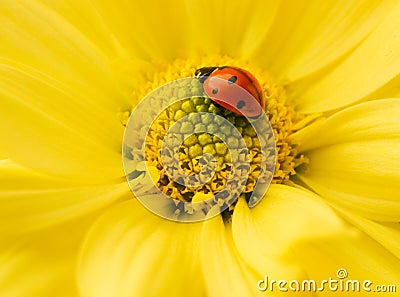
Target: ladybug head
[[202, 73]]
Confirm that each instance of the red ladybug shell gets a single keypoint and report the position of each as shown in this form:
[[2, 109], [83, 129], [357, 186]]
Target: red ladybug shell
[[233, 88]]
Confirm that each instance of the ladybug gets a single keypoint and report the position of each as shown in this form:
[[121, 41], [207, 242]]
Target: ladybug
[[233, 88]]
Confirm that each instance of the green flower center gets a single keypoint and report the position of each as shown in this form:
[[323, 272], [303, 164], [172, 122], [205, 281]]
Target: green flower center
[[200, 113]]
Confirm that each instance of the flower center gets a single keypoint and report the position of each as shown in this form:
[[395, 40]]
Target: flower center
[[196, 150], [193, 151]]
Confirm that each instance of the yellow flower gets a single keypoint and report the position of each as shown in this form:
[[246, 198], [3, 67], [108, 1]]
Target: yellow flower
[[72, 70]]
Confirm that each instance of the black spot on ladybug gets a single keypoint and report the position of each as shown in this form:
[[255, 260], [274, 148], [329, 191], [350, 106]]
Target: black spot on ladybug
[[232, 79], [240, 104], [215, 91]]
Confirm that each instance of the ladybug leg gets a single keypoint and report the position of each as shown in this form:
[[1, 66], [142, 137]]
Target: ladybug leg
[[218, 105]]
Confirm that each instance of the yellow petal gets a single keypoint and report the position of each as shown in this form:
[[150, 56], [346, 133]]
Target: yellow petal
[[84, 19], [132, 252], [370, 66], [179, 28], [225, 273], [285, 216], [373, 120], [354, 159], [387, 234], [84, 16], [50, 130], [362, 257], [372, 201], [31, 201], [308, 36], [300, 230], [235, 28], [58, 94], [14, 176], [389, 90], [60, 50], [43, 263], [151, 30]]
